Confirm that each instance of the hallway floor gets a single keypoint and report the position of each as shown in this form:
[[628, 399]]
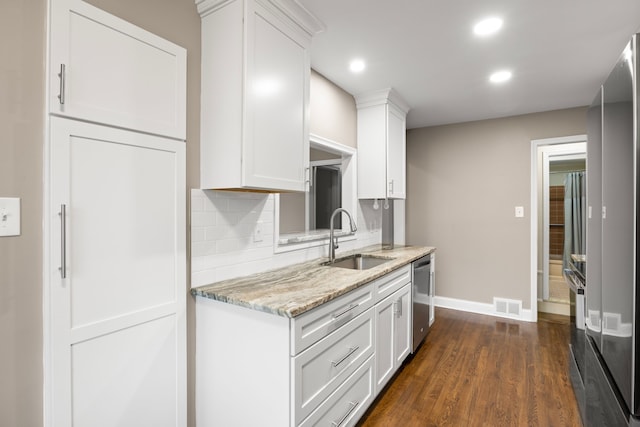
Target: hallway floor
[[476, 370]]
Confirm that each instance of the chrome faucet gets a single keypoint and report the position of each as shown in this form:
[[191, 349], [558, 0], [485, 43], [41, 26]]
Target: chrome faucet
[[333, 242]]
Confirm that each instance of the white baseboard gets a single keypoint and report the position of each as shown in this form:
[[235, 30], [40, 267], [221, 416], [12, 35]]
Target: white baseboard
[[480, 308]]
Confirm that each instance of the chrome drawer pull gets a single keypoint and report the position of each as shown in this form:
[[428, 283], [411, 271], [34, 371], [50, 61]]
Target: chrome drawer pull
[[352, 406], [345, 357], [345, 311], [61, 74]]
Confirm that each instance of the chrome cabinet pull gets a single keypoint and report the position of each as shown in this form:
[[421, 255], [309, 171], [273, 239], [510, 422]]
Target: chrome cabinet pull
[[63, 241], [397, 307], [62, 78], [391, 187], [352, 406], [345, 357], [345, 311]]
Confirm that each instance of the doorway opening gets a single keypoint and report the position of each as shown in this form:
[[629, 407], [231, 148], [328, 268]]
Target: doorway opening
[[554, 162]]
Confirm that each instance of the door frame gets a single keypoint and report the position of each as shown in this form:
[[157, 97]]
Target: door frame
[[536, 171]]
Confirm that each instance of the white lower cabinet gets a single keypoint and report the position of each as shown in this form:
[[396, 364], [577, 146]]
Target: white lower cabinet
[[393, 334], [349, 402], [319, 368]]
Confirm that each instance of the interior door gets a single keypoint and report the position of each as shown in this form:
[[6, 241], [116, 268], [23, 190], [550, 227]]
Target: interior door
[[116, 297]]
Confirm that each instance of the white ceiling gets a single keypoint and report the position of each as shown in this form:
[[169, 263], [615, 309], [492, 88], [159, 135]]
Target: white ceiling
[[560, 51]]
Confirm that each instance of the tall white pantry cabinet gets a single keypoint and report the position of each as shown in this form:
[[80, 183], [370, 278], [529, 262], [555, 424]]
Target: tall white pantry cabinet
[[115, 224]]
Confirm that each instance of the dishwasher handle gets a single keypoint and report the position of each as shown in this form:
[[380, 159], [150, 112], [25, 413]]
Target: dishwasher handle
[[422, 264]]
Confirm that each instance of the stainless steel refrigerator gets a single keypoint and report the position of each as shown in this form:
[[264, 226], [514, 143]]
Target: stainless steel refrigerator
[[611, 369]]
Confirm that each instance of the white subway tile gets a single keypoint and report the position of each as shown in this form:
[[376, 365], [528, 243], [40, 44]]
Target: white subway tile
[[203, 278], [203, 219], [225, 218], [199, 249], [228, 245], [197, 202], [197, 234], [223, 225]]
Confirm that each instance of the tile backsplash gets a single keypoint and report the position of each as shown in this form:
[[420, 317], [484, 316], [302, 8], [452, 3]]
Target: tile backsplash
[[223, 226]]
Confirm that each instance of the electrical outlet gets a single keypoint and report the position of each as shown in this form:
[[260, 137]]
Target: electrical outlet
[[9, 216]]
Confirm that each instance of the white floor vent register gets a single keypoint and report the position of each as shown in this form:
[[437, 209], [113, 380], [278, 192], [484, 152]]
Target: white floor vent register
[[508, 307]]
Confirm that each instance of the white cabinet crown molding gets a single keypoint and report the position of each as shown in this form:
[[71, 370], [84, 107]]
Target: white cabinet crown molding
[[380, 97], [292, 9]]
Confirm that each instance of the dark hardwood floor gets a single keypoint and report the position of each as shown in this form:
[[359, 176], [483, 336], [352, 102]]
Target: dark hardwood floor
[[475, 370]]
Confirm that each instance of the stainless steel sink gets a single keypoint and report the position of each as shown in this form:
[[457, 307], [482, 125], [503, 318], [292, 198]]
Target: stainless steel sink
[[358, 262]]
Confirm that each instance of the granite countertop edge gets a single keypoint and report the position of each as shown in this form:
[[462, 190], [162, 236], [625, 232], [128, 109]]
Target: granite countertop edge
[[295, 289]]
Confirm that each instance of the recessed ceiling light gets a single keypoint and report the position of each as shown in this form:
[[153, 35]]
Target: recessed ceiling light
[[500, 76], [487, 26], [357, 65]]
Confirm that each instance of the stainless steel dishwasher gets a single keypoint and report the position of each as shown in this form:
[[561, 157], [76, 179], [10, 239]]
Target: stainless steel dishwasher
[[422, 298]]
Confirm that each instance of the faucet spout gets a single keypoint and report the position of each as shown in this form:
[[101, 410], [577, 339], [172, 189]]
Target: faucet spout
[[333, 242]]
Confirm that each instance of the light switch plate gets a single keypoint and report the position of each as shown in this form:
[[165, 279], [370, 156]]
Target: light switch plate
[[519, 211], [9, 216]]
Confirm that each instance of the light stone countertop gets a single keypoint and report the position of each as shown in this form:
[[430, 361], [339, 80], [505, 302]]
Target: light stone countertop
[[293, 290]]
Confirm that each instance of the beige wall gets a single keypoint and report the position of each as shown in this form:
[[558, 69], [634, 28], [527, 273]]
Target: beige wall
[[463, 182], [22, 30], [333, 111]]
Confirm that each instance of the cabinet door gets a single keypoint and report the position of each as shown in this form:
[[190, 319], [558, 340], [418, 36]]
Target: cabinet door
[[396, 153], [402, 325], [393, 334], [116, 298], [108, 71], [384, 363], [372, 152], [276, 134]]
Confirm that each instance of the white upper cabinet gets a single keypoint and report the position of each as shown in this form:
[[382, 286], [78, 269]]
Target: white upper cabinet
[[255, 94], [106, 70], [381, 145]]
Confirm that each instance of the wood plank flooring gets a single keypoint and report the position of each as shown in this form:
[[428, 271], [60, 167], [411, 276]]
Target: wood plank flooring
[[475, 370]]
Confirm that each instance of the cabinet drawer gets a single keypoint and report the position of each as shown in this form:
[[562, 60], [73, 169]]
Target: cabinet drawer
[[321, 321], [347, 404], [390, 283], [320, 369]]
